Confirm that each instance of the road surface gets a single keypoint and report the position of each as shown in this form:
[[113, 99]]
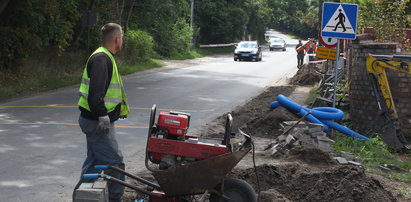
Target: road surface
[[42, 148]]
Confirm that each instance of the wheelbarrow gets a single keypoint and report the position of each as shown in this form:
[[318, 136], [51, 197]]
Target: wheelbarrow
[[205, 177]]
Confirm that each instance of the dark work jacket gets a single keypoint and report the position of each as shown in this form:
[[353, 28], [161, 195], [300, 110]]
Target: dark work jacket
[[100, 71]]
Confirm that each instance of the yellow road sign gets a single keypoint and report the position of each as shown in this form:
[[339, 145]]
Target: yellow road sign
[[326, 53]]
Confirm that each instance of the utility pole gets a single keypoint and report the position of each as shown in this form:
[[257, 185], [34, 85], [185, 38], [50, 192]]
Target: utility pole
[[192, 13]]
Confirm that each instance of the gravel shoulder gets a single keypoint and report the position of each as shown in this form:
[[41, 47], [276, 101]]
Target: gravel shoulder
[[193, 62]]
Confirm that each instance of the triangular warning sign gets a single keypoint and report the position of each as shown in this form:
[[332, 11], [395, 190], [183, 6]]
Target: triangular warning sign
[[339, 22]]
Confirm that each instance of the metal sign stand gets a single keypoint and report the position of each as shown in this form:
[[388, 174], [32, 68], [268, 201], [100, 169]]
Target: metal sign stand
[[329, 25], [337, 58]]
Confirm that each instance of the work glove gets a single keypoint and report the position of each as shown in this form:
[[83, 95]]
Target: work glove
[[104, 122]]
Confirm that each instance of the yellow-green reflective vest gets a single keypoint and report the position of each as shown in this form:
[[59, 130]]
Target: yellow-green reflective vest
[[115, 93]]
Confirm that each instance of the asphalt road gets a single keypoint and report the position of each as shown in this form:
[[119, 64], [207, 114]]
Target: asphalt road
[[42, 148]]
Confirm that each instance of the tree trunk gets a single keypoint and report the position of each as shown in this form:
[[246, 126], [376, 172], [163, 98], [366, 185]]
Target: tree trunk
[[3, 5], [130, 11], [121, 11], [117, 10], [81, 29]]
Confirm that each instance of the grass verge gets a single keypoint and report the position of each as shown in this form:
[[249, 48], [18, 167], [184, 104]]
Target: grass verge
[[128, 69], [46, 71], [197, 53], [312, 96], [29, 80], [376, 153]]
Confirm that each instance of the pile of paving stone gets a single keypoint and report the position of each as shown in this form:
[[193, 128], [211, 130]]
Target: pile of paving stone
[[306, 135]]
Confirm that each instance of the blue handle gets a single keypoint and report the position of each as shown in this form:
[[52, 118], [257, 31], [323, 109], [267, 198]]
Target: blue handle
[[101, 167], [91, 176]]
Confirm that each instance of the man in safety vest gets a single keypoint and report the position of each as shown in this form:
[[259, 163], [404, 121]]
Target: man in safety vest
[[102, 102]]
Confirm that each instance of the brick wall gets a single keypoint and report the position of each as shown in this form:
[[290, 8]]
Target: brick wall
[[363, 106]]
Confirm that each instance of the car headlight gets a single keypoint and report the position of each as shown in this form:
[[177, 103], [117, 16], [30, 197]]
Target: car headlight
[[253, 51], [236, 51]]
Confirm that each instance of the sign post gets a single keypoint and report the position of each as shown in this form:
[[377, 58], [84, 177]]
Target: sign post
[[336, 73], [339, 21]]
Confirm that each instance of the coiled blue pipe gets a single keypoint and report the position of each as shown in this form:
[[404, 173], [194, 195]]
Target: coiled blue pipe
[[319, 115]]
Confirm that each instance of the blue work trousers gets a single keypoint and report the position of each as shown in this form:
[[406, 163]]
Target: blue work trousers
[[102, 149]]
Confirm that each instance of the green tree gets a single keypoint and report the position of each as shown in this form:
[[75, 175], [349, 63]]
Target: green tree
[[387, 18], [259, 18], [27, 26], [183, 35], [158, 17], [296, 17], [221, 21], [138, 47]]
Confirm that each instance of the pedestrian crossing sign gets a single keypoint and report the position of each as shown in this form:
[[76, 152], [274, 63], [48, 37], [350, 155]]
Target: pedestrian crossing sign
[[339, 20]]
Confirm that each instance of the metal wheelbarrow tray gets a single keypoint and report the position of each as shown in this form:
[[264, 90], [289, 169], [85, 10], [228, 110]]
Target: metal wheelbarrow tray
[[199, 176]]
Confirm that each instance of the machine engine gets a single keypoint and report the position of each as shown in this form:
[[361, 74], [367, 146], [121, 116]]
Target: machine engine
[[173, 125], [169, 145]]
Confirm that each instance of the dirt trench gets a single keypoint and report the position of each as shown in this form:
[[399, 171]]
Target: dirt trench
[[293, 182], [303, 174]]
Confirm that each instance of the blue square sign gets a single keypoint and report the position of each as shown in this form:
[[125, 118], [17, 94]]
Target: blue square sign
[[339, 20]]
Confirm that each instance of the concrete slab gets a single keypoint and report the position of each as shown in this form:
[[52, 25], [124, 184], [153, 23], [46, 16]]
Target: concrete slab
[[92, 192], [297, 135], [282, 137], [316, 134], [324, 146], [355, 163], [324, 138], [290, 139], [313, 128], [341, 160]]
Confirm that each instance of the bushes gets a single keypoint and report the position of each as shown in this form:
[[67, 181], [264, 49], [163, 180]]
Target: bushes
[[176, 40], [138, 46], [173, 40], [183, 34], [28, 26]]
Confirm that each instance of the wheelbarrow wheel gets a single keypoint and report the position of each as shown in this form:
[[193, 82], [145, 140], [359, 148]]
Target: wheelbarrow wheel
[[236, 190]]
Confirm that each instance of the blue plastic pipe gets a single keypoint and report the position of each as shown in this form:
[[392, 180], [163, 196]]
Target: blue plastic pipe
[[319, 115], [326, 113], [344, 130]]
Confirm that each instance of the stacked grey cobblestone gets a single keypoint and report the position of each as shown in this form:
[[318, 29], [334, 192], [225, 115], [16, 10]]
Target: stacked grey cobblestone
[[92, 192], [307, 135]]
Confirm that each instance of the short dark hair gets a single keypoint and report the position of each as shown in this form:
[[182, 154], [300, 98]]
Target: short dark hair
[[109, 31]]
